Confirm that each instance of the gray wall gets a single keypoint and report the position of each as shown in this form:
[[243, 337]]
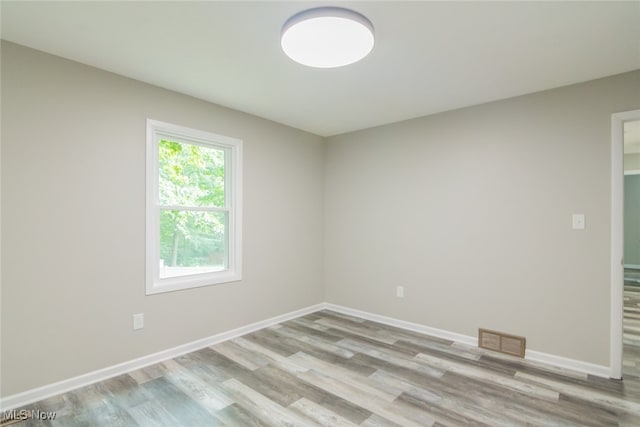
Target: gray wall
[[73, 221], [632, 219], [470, 211]]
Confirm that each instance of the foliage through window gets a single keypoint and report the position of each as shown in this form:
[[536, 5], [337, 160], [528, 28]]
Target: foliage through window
[[193, 212]]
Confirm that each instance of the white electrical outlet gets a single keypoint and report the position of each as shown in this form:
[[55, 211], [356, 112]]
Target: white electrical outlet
[[400, 291], [578, 221], [138, 321]]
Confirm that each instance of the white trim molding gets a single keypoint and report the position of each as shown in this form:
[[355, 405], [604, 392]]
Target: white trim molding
[[567, 363], [22, 399], [186, 277], [30, 396], [617, 238], [532, 355], [415, 327]]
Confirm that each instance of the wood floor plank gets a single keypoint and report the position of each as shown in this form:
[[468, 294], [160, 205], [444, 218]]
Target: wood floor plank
[[391, 356], [272, 376], [477, 373], [274, 339], [211, 399], [270, 338], [422, 379], [585, 380], [422, 399], [512, 404], [333, 369], [274, 358], [376, 420], [408, 335], [428, 346], [318, 414], [352, 379], [89, 403], [358, 329], [272, 342], [224, 366], [176, 402], [444, 416], [236, 415], [631, 330], [202, 363], [585, 393], [370, 402], [275, 387], [153, 414], [309, 328], [148, 373], [240, 355], [262, 407], [327, 346], [125, 391], [447, 398]]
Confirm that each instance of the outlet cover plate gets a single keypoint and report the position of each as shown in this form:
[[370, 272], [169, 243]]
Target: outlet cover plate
[[138, 321]]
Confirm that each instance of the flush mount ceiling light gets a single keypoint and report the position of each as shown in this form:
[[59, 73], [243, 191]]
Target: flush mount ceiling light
[[327, 37]]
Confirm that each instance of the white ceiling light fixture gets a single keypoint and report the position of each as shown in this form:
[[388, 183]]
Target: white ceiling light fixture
[[327, 37]]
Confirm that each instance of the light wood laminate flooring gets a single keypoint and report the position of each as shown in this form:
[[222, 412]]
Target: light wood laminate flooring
[[631, 337], [330, 369]]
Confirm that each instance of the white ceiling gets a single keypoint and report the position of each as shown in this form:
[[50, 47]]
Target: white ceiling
[[429, 56]]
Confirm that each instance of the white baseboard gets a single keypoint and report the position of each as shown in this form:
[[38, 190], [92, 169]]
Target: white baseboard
[[36, 394], [532, 355], [566, 363], [415, 327]]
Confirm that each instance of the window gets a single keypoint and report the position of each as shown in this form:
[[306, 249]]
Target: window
[[194, 194]]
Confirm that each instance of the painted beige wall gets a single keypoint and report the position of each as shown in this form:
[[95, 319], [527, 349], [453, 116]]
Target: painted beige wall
[[465, 209], [470, 211], [632, 161], [73, 221]]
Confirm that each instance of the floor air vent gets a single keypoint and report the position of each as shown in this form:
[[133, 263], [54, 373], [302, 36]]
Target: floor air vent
[[504, 343]]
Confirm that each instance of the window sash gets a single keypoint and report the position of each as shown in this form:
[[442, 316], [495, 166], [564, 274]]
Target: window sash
[[228, 164], [192, 208], [186, 249], [232, 148]]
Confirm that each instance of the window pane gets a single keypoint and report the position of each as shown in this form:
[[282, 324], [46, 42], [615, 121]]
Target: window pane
[[192, 242], [190, 175]]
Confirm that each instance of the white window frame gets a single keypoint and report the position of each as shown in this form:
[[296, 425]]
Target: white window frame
[[157, 130]]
